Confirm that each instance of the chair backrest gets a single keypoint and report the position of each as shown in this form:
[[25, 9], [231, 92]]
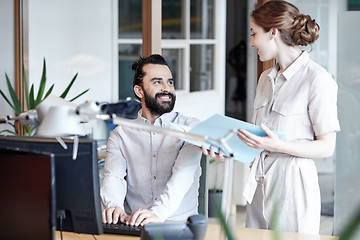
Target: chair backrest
[[203, 188]]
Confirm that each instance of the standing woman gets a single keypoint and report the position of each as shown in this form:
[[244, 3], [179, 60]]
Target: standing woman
[[296, 98]]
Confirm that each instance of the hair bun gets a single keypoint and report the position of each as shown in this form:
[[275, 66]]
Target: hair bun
[[306, 30], [136, 64]]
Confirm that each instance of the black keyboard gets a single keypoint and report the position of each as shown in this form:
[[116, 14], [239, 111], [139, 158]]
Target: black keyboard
[[122, 229]]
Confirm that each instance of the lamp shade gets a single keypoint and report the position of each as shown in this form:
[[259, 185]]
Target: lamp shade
[[51, 101], [60, 121]]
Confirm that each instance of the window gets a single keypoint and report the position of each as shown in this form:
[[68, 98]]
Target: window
[[190, 44]]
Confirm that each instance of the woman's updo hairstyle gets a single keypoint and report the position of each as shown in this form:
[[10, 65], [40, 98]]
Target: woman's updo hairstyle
[[295, 28]]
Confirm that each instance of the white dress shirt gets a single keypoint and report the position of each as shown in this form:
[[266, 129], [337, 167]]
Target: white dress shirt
[[152, 171], [300, 103]]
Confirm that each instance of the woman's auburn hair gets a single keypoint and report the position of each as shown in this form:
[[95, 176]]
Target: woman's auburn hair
[[295, 28]]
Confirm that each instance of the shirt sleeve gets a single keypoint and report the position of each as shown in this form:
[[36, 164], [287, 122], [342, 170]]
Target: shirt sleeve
[[113, 185], [185, 171], [323, 104]]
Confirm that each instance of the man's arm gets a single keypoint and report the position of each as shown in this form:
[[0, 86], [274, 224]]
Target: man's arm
[[113, 186], [184, 172]]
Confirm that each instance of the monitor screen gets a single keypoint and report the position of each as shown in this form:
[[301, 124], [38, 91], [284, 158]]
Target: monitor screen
[[77, 181], [27, 202]]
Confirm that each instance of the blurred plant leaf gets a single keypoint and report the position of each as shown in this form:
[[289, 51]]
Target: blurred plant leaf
[[351, 227], [223, 222], [8, 131]]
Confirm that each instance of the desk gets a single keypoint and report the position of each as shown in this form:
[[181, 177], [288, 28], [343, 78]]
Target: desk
[[213, 233]]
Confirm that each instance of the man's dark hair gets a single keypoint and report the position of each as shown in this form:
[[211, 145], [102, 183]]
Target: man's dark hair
[[139, 65]]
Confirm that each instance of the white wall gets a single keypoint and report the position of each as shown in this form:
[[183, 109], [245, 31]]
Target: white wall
[[73, 37], [7, 54]]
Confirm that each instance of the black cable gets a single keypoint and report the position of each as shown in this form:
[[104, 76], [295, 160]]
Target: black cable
[[60, 214]]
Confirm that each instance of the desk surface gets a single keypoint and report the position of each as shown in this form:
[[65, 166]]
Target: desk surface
[[213, 233]]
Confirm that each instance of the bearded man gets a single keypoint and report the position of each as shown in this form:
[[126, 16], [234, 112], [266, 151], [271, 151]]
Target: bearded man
[[150, 177]]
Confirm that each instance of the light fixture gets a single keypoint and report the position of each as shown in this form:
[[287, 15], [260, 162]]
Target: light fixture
[[60, 121]]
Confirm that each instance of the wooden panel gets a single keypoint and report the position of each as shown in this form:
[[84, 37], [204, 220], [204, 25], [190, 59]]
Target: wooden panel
[[151, 26], [20, 46]]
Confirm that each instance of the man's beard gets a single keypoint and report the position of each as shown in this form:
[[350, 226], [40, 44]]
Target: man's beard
[[152, 103]]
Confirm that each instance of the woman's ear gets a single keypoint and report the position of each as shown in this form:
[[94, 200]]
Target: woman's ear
[[138, 91], [273, 32]]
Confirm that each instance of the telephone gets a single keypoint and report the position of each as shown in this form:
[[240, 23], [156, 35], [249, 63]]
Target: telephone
[[193, 229]]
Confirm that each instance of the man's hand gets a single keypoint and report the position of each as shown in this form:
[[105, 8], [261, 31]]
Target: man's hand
[[218, 156], [141, 217], [113, 215]]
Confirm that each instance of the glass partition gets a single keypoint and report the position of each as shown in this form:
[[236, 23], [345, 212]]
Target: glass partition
[[128, 54], [202, 19], [201, 64], [347, 183], [130, 19], [175, 58], [172, 19]]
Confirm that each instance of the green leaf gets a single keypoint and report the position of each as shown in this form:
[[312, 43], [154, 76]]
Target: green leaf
[[6, 99], [31, 97], [26, 89], [29, 130], [42, 86], [17, 106], [63, 95], [8, 131], [80, 94], [351, 227], [222, 220], [49, 91]]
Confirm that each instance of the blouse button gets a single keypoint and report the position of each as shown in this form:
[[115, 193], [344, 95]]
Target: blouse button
[[154, 177]]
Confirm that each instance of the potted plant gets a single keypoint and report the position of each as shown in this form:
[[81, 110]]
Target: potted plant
[[31, 100], [215, 193]]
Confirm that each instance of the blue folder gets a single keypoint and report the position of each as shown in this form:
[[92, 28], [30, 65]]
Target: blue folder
[[218, 126]]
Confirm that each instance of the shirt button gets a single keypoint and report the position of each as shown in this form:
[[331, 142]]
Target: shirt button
[[154, 155], [154, 177], [156, 199]]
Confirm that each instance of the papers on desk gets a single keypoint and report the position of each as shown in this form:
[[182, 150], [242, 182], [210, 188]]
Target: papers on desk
[[217, 126]]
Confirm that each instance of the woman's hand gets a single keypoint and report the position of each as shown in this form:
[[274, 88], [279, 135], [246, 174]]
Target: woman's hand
[[269, 142], [218, 156]]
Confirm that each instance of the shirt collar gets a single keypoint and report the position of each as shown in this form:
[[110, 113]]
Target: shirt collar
[[296, 65], [293, 68], [166, 117]]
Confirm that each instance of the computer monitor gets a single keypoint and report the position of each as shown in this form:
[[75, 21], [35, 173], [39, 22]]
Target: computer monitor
[[77, 181], [27, 202]]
